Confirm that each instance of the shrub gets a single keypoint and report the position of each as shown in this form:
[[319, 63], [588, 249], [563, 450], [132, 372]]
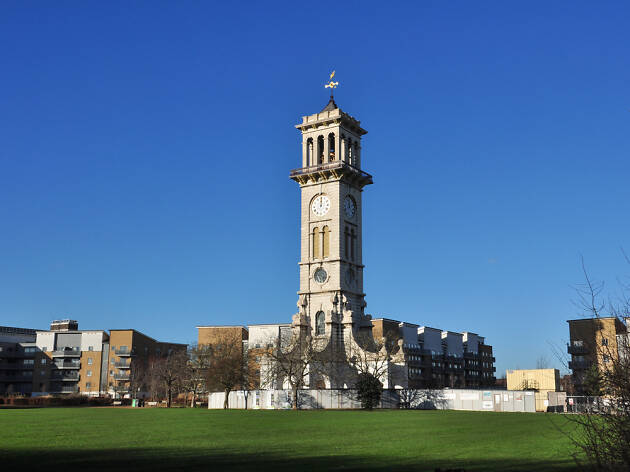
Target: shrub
[[369, 390]]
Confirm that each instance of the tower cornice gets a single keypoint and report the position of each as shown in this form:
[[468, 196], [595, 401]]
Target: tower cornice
[[331, 171], [328, 117]]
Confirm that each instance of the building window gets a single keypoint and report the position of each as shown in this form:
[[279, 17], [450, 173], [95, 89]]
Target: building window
[[604, 341], [88, 385], [89, 373], [326, 241], [44, 349], [316, 241], [606, 359], [29, 361], [91, 348], [320, 326], [89, 361], [578, 343], [43, 361]]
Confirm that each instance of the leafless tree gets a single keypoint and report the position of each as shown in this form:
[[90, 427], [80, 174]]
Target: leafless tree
[[291, 363], [226, 363], [542, 363], [137, 376], [603, 433], [193, 377], [371, 356], [169, 371]]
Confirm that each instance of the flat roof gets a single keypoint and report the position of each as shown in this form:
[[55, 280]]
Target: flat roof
[[594, 319], [221, 326], [269, 324]]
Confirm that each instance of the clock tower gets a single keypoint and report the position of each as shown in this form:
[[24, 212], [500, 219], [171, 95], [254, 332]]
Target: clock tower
[[331, 298]]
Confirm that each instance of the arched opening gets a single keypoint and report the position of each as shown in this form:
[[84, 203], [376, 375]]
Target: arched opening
[[316, 238], [320, 150], [350, 153], [331, 147], [347, 243], [326, 241], [309, 152], [320, 323], [353, 238]]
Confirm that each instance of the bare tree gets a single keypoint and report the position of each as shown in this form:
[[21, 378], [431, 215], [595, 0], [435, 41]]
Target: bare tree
[[542, 363], [169, 371], [371, 356], [226, 361], [603, 433], [291, 364], [194, 374]]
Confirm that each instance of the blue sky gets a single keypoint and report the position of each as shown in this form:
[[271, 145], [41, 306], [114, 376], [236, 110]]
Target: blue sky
[[145, 151]]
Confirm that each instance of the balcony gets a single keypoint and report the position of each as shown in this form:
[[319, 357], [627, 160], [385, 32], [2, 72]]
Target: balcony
[[123, 352], [580, 365], [577, 350], [76, 352], [122, 365], [335, 167], [65, 376], [121, 376], [68, 365], [73, 389]]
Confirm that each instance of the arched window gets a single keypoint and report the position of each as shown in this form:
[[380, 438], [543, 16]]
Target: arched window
[[326, 241], [353, 237], [350, 153], [309, 152], [331, 147], [320, 150], [316, 238], [347, 242], [320, 323]]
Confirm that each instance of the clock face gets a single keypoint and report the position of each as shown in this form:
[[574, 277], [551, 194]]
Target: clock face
[[321, 205], [320, 276], [349, 207]]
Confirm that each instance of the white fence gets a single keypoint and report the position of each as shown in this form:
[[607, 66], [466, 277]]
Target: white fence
[[442, 399]]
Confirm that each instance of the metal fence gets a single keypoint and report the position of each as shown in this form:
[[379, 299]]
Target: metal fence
[[437, 399]]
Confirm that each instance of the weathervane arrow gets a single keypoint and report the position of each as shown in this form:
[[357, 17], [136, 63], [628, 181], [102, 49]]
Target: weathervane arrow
[[331, 85]]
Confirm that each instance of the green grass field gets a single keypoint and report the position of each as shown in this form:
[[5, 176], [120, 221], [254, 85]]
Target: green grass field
[[185, 439]]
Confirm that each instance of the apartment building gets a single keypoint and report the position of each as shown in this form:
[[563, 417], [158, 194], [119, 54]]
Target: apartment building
[[17, 360], [66, 360], [439, 358], [69, 360], [593, 344], [130, 352]]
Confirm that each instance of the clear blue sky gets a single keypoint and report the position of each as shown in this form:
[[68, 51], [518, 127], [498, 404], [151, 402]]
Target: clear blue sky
[[145, 149]]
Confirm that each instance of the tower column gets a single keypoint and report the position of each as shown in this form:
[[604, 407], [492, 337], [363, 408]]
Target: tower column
[[326, 149]]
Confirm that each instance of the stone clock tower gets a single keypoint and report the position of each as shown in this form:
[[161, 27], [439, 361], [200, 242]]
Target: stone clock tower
[[331, 181]]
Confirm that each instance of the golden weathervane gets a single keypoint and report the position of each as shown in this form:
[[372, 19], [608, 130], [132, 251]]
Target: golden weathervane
[[331, 85]]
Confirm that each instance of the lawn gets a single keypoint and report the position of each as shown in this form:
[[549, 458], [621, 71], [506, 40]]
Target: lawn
[[186, 439]]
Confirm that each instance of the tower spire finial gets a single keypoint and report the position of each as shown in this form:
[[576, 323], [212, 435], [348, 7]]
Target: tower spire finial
[[331, 85]]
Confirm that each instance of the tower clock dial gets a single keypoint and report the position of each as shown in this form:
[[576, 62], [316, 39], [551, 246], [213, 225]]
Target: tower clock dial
[[321, 205], [349, 207], [320, 276]]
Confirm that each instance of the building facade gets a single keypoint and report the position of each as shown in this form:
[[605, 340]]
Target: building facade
[[17, 360], [130, 354], [66, 360], [539, 381], [594, 343], [69, 360]]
